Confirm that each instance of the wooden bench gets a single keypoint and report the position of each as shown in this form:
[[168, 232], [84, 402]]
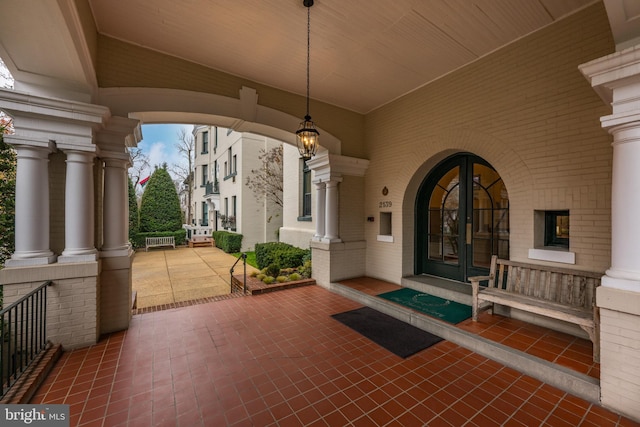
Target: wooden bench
[[558, 293], [157, 242], [201, 241]]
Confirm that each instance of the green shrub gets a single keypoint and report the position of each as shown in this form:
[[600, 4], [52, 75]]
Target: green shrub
[[253, 273], [282, 279], [160, 205], [228, 242], [295, 276], [261, 276], [273, 270], [305, 270], [268, 280], [283, 254]]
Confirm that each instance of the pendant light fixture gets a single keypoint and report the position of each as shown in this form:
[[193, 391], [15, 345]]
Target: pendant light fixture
[[307, 135]]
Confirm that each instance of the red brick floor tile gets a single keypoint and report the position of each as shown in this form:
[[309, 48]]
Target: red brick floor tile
[[242, 362]]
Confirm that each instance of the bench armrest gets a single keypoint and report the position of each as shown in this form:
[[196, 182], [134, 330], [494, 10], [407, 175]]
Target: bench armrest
[[475, 284], [479, 279], [475, 289]]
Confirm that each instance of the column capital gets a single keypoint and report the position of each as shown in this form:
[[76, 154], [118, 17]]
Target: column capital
[[40, 119], [610, 73], [118, 134], [328, 167]]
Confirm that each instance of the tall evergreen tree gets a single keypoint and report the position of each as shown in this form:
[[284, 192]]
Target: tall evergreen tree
[[134, 219], [7, 195], [160, 205]]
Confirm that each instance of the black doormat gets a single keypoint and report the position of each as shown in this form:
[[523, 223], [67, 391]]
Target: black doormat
[[400, 338]]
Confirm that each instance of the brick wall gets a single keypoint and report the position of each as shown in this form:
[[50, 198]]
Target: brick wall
[[73, 300], [529, 112]]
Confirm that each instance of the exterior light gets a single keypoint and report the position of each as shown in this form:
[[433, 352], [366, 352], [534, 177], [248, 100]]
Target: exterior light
[[307, 135]]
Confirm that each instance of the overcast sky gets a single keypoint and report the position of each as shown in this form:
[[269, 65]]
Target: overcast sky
[[158, 143]]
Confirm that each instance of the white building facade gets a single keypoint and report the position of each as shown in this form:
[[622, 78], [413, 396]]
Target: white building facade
[[221, 200]]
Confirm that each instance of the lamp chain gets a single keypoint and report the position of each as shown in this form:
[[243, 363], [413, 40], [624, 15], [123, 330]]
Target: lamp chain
[[308, 52]]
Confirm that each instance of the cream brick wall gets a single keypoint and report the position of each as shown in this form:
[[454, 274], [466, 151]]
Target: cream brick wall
[[528, 111], [73, 301], [620, 350], [115, 293], [620, 362]]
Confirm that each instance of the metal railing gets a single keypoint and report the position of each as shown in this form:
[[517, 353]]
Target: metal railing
[[211, 188], [242, 257], [24, 335]]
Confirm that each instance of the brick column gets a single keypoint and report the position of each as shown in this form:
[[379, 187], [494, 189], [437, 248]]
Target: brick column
[[616, 78]]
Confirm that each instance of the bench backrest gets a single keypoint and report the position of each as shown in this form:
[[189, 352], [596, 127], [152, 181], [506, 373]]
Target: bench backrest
[[562, 285], [160, 240]]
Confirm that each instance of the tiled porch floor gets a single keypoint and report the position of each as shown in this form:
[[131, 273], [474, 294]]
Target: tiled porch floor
[[280, 359], [562, 349]]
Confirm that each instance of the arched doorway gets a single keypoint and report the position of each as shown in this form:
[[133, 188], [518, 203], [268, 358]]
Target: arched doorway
[[462, 218]]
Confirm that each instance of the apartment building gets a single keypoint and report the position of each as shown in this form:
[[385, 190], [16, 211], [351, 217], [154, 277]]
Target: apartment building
[[220, 199]]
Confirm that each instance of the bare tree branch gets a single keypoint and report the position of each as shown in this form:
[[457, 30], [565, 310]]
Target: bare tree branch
[[267, 181], [186, 149], [139, 164]]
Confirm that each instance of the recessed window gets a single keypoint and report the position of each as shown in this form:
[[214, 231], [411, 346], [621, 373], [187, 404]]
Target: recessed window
[[306, 193], [551, 237], [205, 175], [386, 234], [205, 142], [385, 223], [556, 229]]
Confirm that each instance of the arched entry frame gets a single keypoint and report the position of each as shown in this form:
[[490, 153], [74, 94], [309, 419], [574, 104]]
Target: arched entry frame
[[510, 166], [461, 218]]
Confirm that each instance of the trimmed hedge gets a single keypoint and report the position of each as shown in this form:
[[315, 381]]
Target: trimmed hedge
[[138, 240], [228, 242], [282, 254]]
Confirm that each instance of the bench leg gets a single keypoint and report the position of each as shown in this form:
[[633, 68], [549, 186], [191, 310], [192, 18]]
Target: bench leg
[[475, 288], [594, 336]]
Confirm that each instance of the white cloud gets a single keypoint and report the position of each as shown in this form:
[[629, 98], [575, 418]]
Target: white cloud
[[158, 154]]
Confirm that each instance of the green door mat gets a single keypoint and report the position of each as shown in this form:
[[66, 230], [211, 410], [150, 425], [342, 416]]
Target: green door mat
[[443, 309]]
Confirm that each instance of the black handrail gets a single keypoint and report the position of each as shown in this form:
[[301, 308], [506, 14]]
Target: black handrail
[[242, 257], [24, 335]]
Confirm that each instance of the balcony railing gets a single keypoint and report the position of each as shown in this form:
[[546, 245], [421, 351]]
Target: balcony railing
[[211, 188], [24, 335]]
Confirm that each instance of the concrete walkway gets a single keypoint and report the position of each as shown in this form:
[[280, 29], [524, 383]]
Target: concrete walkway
[[165, 276]]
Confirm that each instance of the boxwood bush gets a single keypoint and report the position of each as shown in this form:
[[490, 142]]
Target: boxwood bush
[[228, 242], [281, 254]]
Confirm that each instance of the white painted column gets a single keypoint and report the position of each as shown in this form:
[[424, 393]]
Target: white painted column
[[332, 220], [115, 208], [616, 78], [32, 207], [625, 209], [79, 208], [320, 210]]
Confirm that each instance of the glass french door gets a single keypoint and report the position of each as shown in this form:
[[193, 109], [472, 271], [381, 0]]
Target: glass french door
[[462, 219]]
